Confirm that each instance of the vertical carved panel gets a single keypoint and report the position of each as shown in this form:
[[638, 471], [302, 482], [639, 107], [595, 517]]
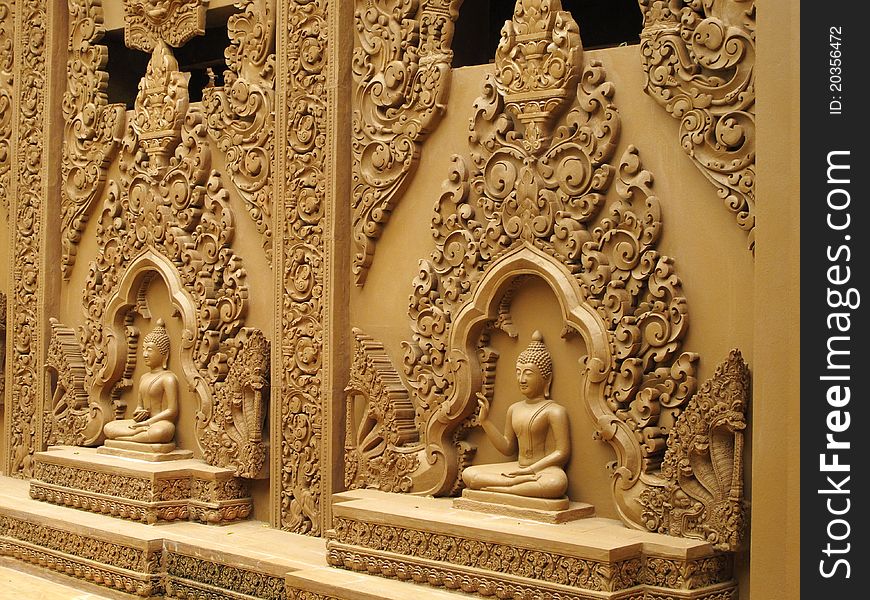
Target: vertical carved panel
[[7, 61], [92, 127], [2, 348], [300, 264], [699, 59], [401, 69], [241, 114], [26, 223]]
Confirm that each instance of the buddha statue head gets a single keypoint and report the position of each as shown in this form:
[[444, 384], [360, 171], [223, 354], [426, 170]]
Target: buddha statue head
[[155, 346], [535, 368]]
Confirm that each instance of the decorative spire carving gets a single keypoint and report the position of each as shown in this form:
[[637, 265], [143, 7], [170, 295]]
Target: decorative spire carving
[[160, 107], [538, 62], [699, 59]]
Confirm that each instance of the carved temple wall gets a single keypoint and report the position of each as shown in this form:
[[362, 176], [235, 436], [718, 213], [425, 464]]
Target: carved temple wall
[[318, 206]]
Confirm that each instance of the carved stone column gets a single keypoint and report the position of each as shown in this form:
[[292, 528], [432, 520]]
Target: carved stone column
[[39, 33], [311, 260]]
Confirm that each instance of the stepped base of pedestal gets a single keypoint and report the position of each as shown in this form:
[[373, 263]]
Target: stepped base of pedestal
[[147, 452], [545, 510], [428, 541], [140, 490]]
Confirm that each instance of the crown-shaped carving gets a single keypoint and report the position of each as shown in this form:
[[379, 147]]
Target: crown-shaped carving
[[160, 106], [175, 22], [539, 59]]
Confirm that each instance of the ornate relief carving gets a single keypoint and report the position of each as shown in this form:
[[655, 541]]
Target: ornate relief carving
[[241, 113], [234, 437], [124, 568], [550, 567], [514, 571], [169, 215], [2, 348], [26, 224], [194, 577], [92, 127], [699, 59], [401, 69], [160, 107], [69, 401], [301, 268], [7, 81], [528, 203], [175, 22], [703, 466], [372, 457]]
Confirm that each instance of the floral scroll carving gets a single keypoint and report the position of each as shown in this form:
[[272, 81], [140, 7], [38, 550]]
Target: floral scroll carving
[[703, 466], [173, 21], [401, 69], [69, 402], [372, 456], [26, 230], [7, 65], [528, 202], [699, 59], [300, 262], [241, 113], [92, 128]]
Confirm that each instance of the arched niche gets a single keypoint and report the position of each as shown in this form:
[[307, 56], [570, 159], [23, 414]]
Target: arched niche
[[441, 467], [120, 354]]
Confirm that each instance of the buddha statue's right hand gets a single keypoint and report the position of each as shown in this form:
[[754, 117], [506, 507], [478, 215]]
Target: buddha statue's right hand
[[483, 403]]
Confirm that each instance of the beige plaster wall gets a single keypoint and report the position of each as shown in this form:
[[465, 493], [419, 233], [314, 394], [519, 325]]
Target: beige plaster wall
[[710, 252]]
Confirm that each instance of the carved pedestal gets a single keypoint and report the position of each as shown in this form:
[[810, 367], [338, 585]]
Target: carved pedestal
[[427, 540], [545, 510], [140, 490]]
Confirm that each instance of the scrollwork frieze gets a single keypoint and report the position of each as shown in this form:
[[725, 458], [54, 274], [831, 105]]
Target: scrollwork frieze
[[699, 61], [92, 127], [401, 69], [182, 569], [7, 81], [241, 113]]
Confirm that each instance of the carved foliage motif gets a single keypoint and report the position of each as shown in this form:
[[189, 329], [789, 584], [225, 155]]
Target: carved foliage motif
[[185, 572], [703, 466], [7, 62], [372, 458], [546, 194], [301, 270], [26, 232], [69, 402], [92, 127], [401, 69], [241, 114], [699, 59], [173, 21]]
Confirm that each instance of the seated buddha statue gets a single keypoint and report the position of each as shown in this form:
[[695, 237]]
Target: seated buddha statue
[[156, 410], [536, 431]]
